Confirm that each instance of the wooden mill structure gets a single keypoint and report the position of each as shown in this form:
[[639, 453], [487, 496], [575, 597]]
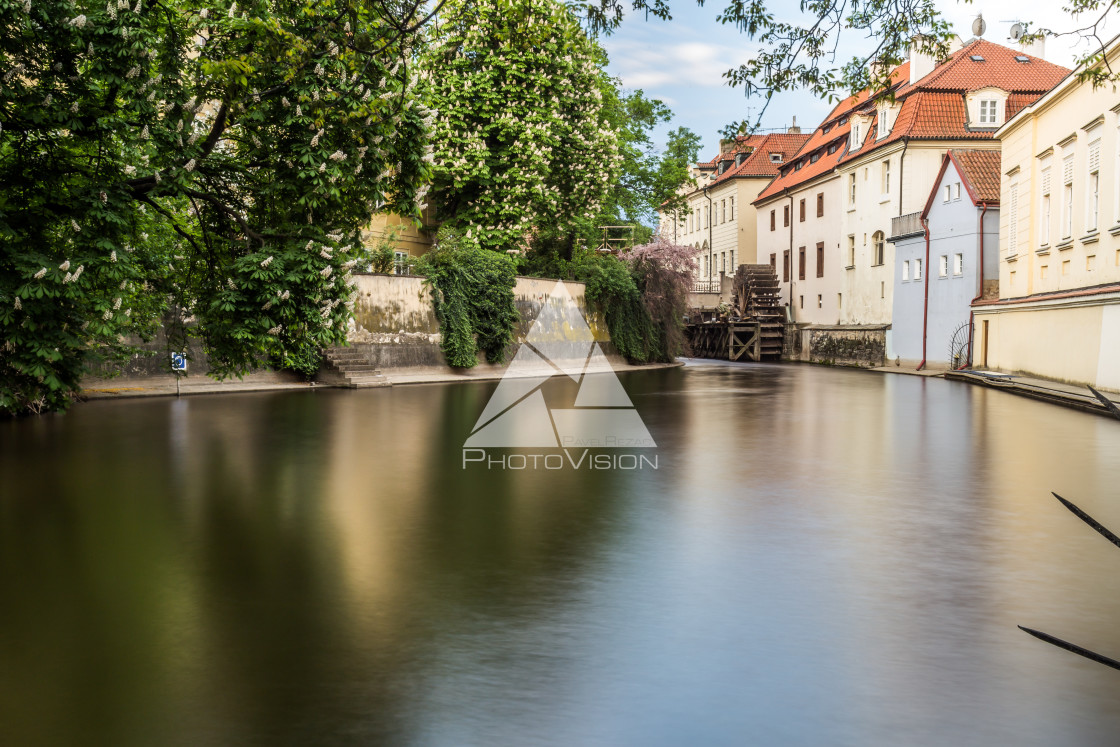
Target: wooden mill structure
[[752, 329]]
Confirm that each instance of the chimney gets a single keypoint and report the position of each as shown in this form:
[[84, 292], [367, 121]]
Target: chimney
[[793, 129], [921, 63], [726, 146], [1034, 49]]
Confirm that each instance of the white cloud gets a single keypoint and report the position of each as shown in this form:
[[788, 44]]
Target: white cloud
[[692, 64]]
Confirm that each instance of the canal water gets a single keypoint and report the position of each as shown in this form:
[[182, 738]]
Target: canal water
[[822, 557]]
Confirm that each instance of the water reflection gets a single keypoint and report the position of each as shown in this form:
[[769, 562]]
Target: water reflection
[[824, 556]]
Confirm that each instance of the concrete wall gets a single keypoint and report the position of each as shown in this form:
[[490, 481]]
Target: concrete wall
[[395, 326], [838, 345], [1075, 340]]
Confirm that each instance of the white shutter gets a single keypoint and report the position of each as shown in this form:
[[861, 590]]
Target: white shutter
[[1094, 156], [1013, 219], [1046, 181], [1067, 169]]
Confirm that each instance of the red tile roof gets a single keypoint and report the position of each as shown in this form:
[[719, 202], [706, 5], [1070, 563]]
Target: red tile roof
[[998, 69], [757, 162], [933, 108], [980, 169]]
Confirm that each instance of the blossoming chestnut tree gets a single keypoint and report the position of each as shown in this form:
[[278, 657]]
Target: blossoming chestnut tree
[[208, 158], [522, 142]]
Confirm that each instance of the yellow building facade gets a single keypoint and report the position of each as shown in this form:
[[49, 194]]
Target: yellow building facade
[[1058, 312]]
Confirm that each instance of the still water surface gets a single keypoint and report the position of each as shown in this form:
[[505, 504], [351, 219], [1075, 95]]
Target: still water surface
[[824, 557]]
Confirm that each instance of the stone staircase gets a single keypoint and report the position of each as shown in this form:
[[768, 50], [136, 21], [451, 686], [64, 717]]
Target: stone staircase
[[354, 368]]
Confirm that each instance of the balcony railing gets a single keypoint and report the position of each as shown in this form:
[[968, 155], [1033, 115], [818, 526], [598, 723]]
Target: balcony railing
[[906, 225], [705, 286]]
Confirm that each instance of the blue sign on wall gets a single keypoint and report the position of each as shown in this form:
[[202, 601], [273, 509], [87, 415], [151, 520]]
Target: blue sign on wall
[[178, 361]]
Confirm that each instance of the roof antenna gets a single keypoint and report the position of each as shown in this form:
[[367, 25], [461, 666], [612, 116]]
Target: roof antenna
[[979, 26]]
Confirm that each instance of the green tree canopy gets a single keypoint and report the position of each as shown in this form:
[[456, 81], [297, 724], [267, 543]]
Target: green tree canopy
[[207, 156]]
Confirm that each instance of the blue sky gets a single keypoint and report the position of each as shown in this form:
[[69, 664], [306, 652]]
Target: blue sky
[[681, 61]]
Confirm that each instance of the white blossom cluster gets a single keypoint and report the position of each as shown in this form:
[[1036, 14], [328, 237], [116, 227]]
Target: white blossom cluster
[[521, 129]]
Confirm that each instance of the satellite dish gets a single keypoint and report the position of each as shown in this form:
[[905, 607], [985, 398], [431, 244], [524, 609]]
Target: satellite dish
[[978, 26], [1016, 31]]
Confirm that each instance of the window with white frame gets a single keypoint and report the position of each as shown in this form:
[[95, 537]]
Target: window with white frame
[[723, 211], [1067, 196], [1044, 203], [1093, 185], [732, 260], [1013, 216], [958, 264], [917, 269], [851, 189], [732, 206], [886, 167], [956, 190], [948, 192], [851, 250], [988, 111], [943, 266], [906, 270]]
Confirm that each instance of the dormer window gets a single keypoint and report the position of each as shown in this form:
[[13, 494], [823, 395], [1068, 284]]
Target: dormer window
[[739, 158], [861, 126], [986, 107], [775, 158]]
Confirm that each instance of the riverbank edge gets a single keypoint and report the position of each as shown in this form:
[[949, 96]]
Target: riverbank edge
[[113, 389], [1042, 390]]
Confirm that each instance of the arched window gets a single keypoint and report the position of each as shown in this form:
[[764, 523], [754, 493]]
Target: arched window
[[878, 248], [707, 259]]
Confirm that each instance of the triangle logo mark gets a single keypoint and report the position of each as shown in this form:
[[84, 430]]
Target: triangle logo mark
[[559, 342]]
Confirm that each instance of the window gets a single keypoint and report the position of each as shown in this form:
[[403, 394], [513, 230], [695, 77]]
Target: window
[[773, 221], [851, 189], [820, 204], [987, 111], [906, 270], [801, 263], [774, 262], [1092, 192], [851, 250], [956, 190], [775, 158], [917, 269], [886, 171], [723, 262], [820, 259], [1013, 216], [785, 215], [958, 264], [948, 192], [400, 263], [785, 266], [878, 241], [723, 211], [1067, 196], [731, 204], [1044, 203], [801, 301], [732, 260], [943, 268], [707, 215], [801, 207]]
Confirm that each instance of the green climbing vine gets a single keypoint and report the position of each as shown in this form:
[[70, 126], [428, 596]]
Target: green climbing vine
[[472, 291]]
